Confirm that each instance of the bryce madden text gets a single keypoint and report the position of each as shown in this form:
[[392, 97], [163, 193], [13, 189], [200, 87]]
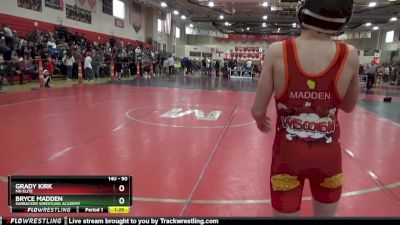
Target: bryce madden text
[[49, 200]]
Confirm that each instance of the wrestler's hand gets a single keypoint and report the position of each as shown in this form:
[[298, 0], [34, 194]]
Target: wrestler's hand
[[264, 124]]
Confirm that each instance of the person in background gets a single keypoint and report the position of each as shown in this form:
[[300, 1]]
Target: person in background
[[30, 68], [132, 66], [47, 78], [371, 73], [1, 73], [395, 73], [217, 67], [3, 49], [9, 66], [7, 31], [51, 43], [386, 73], [177, 67], [231, 65], [171, 63], [20, 69], [78, 59], [68, 60], [97, 61], [165, 66], [256, 71], [204, 66], [88, 67], [118, 66], [190, 65], [380, 72], [49, 71], [185, 64], [50, 65], [361, 70], [107, 63], [248, 65], [208, 67]]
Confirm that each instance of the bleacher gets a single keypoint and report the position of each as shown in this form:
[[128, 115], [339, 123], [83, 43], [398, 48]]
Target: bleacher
[[24, 26]]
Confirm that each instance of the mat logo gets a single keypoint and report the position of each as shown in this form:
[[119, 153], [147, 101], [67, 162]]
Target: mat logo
[[176, 113]]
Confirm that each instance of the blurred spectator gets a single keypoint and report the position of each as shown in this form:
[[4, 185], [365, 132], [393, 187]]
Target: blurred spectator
[[62, 52], [217, 68], [88, 67], [69, 61], [47, 78], [97, 60]]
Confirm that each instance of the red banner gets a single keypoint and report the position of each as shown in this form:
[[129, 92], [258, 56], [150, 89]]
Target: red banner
[[247, 49], [245, 37], [243, 56]]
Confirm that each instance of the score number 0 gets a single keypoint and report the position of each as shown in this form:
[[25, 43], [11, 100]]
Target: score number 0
[[121, 188]]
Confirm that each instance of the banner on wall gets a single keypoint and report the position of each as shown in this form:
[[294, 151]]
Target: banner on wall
[[78, 14], [365, 34], [135, 15], [35, 5], [245, 53], [167, 24], [245, 56], [55, 4], [254, 50], [244, 37], [353, 35], [369, 53], [119, 23], [90, 5], [199, 31], [108, 7]]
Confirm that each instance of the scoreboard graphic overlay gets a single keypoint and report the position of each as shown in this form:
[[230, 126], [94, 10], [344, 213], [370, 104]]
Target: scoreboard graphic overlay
[[70, 194]]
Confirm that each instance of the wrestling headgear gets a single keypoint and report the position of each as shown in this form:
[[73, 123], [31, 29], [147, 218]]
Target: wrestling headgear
[[325, 16]]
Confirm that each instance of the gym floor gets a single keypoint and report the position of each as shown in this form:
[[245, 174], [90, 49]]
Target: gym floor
[[217, 165]]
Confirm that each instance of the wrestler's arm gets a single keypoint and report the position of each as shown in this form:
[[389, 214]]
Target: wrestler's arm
[[349, 101], [265, 88]]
